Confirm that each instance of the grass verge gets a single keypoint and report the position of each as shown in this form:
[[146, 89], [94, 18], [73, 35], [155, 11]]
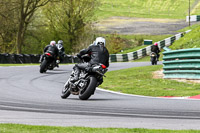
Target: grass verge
[[190, 40], [144, 8], [140, 81], [17, 128]]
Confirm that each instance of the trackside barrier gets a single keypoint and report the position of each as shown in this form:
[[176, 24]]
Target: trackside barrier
[[184, 63], [145, 51], [30, 58], [193, 18]]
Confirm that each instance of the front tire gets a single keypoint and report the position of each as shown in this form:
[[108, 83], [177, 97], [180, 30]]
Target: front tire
[[86, 93], [65, 91]]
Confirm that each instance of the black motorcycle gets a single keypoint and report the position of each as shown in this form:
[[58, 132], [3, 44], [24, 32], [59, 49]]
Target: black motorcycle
[[87, 83], [153, 56], [48, 62]]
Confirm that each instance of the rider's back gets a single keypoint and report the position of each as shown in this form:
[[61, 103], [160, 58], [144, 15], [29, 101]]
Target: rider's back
[[99, 55]]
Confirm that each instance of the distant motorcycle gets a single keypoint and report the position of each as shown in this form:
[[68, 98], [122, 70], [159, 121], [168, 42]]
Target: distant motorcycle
[[153, 56], [49, 62], [87, 83]]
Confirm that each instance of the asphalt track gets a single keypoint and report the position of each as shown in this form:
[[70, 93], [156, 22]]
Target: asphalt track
[[28, 97]]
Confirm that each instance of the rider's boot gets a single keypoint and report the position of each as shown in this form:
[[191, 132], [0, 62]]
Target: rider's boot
[[76, 75]]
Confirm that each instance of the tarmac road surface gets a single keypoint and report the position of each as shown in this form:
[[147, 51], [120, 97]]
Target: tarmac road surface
[[28, 97]]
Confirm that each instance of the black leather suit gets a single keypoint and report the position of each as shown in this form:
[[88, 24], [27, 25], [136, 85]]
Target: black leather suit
[[99, 54], [51, 49], [156, 50]]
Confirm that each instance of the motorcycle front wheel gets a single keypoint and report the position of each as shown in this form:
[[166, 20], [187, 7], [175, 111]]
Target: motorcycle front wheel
[[66, 90], [153, 60], [89, 90]]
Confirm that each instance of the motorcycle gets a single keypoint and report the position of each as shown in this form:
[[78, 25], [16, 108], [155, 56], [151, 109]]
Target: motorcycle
[[48, 62], [153, 56], [87, 82]]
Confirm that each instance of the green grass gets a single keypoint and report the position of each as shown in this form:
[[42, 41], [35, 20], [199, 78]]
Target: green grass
[[138, 80], [196, 10], [190, 40], [17, 128], [172, 9]]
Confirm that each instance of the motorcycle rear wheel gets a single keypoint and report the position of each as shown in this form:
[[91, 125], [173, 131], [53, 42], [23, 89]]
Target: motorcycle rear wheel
[[43, 66], [86, 93], [65, 91]]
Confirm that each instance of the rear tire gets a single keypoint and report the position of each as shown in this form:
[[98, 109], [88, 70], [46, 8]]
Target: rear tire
[[43, 66], [89, 89], [65, 91]]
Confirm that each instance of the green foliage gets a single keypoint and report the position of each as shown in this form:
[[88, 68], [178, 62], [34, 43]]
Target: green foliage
[[70, 21], [190, 40], [141, 82], [115, 44], [173, 9], [7, 26]]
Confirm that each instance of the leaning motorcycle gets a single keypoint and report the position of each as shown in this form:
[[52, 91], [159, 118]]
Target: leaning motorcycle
[[48, 62], [87, 82], [153, 56]]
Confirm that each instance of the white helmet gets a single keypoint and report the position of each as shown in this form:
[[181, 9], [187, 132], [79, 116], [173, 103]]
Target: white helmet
[[100, 41], [53, 43]]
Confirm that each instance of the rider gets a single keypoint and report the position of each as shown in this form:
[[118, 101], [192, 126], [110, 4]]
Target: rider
[[98, 53], [61, 50], [52, 49], [156, 50]]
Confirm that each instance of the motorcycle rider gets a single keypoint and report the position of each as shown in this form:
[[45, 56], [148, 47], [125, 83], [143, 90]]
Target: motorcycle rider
[[61, 50], [51, 48], [98, 53], [156, 50]]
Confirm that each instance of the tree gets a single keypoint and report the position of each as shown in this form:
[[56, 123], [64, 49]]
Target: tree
[[69, 19], [27, 8], [7, 26]]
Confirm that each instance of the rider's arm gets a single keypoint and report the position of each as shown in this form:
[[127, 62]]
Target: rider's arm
[[85, 51], [45, 49], [107, 61]]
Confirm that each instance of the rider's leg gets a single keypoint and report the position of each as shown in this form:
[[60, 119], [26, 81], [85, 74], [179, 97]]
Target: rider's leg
[[77, 68]]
